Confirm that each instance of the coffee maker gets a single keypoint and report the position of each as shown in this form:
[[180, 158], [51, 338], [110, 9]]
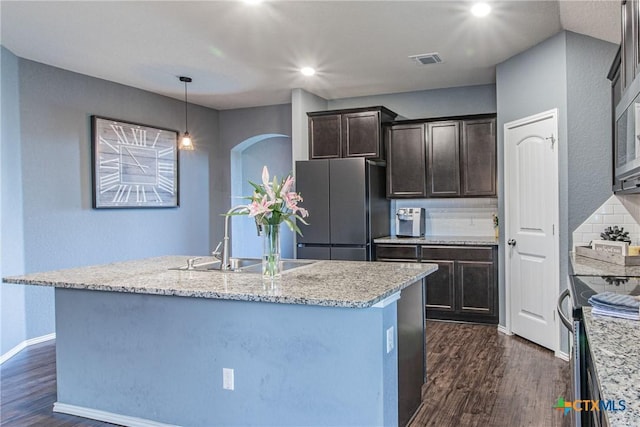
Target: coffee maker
[[410, 222]]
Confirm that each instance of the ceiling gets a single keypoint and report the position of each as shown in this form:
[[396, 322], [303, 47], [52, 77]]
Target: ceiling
[[242, 55]]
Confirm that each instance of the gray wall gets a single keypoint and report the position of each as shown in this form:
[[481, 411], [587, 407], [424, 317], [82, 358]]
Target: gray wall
[[237, 126], [303, 102], [568, 72], [60, 227], [12, 297], [589, 126], [457, 101], [529, 83]]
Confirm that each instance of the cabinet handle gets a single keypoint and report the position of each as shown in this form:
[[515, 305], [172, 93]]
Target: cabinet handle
[[511, 242]]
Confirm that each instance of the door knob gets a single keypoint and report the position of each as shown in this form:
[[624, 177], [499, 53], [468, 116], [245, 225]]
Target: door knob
[[511, 242]]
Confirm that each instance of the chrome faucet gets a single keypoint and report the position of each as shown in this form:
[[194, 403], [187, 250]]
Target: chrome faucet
[[225, 264]]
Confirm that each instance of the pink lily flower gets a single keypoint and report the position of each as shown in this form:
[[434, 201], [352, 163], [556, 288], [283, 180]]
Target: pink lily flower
[[260, 206], [286, 186], [266, 184], [291, 200]]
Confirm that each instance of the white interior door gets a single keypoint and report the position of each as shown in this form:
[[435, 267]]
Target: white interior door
[[531, 211]]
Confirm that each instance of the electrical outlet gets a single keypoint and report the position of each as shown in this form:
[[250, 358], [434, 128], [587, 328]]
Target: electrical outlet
[[227, 379], [390, 343]]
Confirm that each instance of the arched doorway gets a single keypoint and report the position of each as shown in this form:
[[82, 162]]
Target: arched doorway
[[247, 160]]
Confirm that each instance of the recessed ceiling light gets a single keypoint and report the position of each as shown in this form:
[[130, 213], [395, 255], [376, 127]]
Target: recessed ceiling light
[[252, 1], [308, 71], [480, 9]]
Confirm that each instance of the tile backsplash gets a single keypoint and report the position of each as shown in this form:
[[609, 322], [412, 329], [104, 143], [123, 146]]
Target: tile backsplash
[[452, 217], [615, 211]]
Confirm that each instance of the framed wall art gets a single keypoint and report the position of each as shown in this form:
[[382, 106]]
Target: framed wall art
[[134, 165]]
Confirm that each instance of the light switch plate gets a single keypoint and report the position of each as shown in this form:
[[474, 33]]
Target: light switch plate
[[227, 379], [390, 341]]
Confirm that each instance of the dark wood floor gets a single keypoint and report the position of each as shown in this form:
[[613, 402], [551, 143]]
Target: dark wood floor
[[477, 377], [28, 391]]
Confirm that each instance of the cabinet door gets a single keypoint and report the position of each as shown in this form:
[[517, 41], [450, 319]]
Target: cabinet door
[[629, 23], [476, 286], [361, 134], [325, 136], [616, 95], [439, 287], [478, 157], [443, 179], [406, 170]]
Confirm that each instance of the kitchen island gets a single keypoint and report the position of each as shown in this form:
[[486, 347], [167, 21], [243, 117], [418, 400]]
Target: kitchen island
[[140, 344]]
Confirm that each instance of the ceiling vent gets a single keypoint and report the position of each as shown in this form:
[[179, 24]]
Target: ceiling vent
[[427, 58]]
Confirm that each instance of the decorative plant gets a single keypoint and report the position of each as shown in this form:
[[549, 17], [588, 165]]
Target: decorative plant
[[273, 203], [615, 233]]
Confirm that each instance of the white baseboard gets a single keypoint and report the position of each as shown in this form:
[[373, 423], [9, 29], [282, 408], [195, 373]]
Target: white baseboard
[[109, 417], [504, 330], [24, 344], [562, 355]]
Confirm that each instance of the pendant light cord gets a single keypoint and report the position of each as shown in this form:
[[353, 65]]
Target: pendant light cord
[[186, 116]]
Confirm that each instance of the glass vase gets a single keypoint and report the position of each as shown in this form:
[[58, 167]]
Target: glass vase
[[271, 266]]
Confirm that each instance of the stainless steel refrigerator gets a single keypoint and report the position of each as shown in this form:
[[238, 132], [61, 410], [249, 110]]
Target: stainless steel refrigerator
[[346, 200]]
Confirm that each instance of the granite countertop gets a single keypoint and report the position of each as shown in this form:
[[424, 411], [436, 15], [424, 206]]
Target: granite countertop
[[441, 240], [354, 284], [584, 266], [615, 348]]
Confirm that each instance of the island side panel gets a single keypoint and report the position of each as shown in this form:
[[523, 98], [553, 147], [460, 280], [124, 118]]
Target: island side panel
[[161, 358], [411, 350]]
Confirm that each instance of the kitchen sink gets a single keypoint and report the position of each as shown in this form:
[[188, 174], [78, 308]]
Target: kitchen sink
[[287, 264], [241, 265]]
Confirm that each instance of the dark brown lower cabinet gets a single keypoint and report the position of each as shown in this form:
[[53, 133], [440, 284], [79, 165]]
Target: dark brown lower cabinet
[[440, 294], [477, 286], [465, 286]]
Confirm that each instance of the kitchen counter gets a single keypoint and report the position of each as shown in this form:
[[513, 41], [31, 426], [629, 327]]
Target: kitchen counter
[[328, 343], [585, 266], [615, 346], [441, 240], [326, 283]]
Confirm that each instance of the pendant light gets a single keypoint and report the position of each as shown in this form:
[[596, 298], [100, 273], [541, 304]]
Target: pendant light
[[185, 141]]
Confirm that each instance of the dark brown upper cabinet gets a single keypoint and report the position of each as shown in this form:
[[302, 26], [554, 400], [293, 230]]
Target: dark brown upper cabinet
[[478, 158], [325, 136], [348, 133], [616, 96], [406, 168], [630, 45], [443, 159]]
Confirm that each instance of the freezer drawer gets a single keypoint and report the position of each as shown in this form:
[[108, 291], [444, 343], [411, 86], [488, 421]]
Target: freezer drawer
[[349, 254], [314, 252]]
